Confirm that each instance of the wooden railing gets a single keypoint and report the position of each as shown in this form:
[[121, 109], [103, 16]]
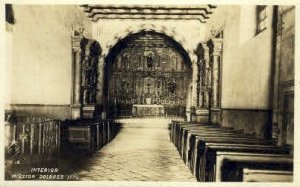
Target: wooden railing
[[31, 139]]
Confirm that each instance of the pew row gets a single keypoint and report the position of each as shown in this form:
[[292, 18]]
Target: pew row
[[205, 162], [198, 144]]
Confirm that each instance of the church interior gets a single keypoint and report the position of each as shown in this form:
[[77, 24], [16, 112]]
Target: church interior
[[116, 92]]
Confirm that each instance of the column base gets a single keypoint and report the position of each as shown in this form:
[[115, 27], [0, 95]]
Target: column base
[[215, 116], [188, 115], [201, 115], [88, 111], [76, 112]]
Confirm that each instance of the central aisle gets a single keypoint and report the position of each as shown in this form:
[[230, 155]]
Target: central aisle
[[141, 151]]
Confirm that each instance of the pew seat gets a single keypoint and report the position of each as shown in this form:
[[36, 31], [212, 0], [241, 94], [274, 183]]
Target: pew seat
[[263, 175], [237, 161]]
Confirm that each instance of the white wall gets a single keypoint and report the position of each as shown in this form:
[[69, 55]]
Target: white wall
[[246, 66], [39, 64]]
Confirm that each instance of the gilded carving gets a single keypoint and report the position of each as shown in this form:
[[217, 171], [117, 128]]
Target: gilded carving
[[152, 71]]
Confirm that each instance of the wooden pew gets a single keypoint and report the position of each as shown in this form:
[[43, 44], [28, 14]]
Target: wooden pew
[[267, 175], [187, 133], [236, 141], [175, 127], [249, 159], [196, 149], [194, 137], [207, 159], [180, 127], [180, 141]]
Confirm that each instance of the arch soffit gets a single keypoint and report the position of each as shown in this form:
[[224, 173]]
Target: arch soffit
[[149, 27]]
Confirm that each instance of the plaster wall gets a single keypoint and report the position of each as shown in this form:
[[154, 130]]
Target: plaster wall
[[39, 62]]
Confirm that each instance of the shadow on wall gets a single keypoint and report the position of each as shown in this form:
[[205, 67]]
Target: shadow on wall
[[252, 121], [61, 112]]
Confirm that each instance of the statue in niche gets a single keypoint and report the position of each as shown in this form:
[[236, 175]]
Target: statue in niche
[[173, 61], [171, 85], [148, 87], [125, 87], [92, 98], [208, 77], [88, 71], [149, 61], [89, 79], [201, 68], [86, 98], [125, 61]]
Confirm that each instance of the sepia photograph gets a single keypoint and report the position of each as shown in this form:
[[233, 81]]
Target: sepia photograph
[[149, 92]]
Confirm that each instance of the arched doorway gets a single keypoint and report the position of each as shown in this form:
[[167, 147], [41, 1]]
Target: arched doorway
[[147, 74]]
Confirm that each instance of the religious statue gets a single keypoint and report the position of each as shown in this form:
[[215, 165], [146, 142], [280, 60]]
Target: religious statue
[[88, 71], [134, 111], [86, 96], [125, 87], [171, 86], [149, 61], [125, 62], [89, 74]]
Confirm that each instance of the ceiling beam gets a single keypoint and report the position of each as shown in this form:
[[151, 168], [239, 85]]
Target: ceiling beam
[[193, 12]]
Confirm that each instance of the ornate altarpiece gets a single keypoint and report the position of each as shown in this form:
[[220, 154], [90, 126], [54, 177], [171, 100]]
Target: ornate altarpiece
[[148, 69]]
